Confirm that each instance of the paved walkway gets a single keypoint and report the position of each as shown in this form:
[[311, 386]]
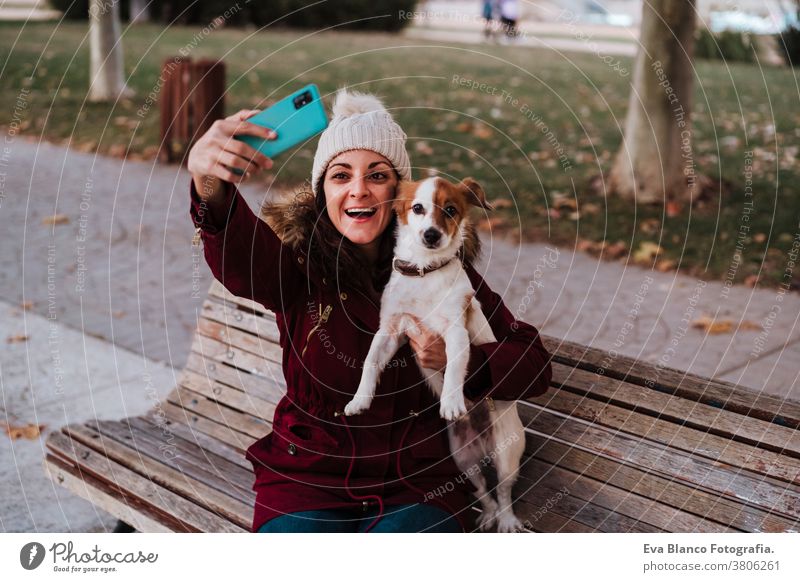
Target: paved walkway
[[60, 376], [118, 285]]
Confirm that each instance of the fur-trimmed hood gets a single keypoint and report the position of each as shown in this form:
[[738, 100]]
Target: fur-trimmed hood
[[304, 227]]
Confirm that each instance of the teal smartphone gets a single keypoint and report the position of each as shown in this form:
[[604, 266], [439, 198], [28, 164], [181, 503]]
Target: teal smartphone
[[295, 118]]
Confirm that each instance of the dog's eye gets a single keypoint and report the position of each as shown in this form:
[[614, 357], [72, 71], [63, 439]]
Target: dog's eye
[[451, 211], [418, 209]]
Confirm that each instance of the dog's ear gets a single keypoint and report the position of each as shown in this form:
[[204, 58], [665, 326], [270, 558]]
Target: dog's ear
[[475, 194], [403, 198]]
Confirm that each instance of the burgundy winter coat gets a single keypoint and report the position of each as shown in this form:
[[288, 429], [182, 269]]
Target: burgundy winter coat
[[398, 450]]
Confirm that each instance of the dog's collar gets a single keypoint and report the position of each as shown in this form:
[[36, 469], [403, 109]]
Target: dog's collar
[[411, 270]]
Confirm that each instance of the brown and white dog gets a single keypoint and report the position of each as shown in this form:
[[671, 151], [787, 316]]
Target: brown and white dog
[[428, 281]]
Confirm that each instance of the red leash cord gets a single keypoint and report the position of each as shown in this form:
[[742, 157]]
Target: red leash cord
[[400, 470], [347, 478], [402, 479]]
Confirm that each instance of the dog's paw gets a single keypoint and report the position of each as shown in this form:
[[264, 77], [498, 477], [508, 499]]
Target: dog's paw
[[507, 522], [358, 405], [453, 407], [487, 520]]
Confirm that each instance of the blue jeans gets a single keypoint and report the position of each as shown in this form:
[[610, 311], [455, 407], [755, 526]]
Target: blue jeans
[[411, 518]]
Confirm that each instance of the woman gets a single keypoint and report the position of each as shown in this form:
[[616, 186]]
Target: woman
[[321, 266]]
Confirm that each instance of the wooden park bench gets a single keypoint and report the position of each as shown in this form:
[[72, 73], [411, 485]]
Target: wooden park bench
[[629, 449]]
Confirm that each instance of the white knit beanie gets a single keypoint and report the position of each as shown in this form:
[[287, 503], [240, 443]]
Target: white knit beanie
[[360, 122]]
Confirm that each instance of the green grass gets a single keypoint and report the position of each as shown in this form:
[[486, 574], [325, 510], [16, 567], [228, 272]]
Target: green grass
[[580, 98]]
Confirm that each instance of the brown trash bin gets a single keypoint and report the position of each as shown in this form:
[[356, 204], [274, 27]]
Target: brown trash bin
[[192, 98]]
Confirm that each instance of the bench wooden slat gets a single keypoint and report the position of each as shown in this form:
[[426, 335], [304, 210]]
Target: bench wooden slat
[[219, 292], [193, 463], [542, 519], [199, 404], [200, 439], [222, 353], [716, 393], [175, 473], [724, 423], [666, 490], [674, 434], [702, 473], [243, 340], [229, 315], [596, 516], [228, 396], [248, 383], [190, 516], [127, 508], [225, 465], [634, 505], [210, 428]]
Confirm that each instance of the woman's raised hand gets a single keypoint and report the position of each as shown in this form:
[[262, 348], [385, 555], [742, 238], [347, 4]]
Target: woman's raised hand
[[212, 156], [428, 346]]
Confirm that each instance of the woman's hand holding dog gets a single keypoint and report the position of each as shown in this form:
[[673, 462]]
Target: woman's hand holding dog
[[428, 346], [216, 152]]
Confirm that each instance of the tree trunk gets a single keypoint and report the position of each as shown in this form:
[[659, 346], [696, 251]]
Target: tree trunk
[[655, 162], [107, 70]]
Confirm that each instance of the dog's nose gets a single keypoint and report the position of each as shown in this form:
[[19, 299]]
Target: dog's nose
[[431, 236]]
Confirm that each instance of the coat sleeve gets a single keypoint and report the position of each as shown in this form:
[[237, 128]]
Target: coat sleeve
[[517, 365], [244, 254]]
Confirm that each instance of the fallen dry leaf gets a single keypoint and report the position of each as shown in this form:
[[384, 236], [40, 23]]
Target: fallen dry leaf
[[501, 203], [28, 431], [616, 250], [673, 209], [17, 339], [713, 327], [423, 148], [561, 202], [491, 223], [647, 252], [87, 146], [590, 208], [118, 150], [56, 219], [150, 152], [650, 225], [482, 132], [665, 265]]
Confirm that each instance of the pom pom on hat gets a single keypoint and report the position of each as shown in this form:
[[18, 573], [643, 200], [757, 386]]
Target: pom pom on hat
[[360, 121], [348, 103]]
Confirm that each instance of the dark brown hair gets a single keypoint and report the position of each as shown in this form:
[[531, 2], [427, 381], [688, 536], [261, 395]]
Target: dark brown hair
[[331, 247], [303, 223]]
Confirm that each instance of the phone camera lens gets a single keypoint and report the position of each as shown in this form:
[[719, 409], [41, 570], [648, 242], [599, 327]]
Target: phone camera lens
[[302, 99]]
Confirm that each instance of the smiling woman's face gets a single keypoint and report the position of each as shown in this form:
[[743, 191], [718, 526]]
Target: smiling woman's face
[[359, 188]]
